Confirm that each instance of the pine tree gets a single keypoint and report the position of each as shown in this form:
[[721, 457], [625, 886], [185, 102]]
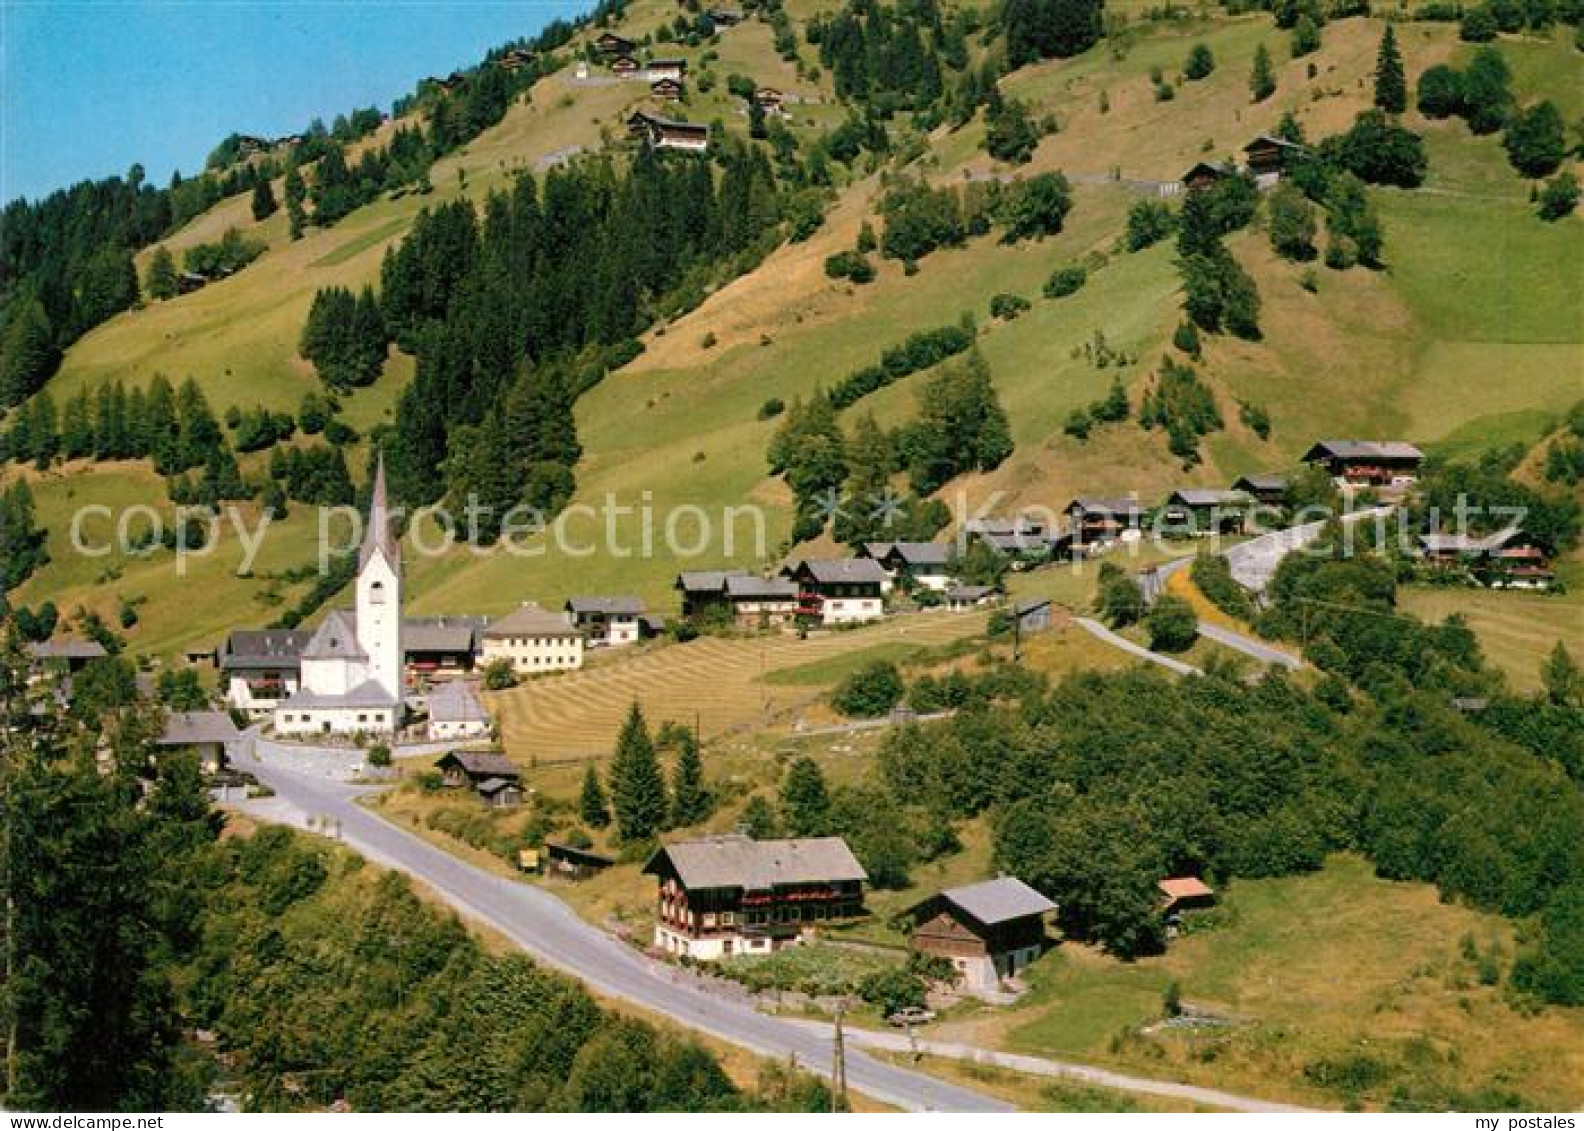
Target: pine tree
[[637, 790], [592, 808], [1262, 80], [28, 354], [1391, 84], [759, 819], [162, 274], [805, 801], [296, 192], [264, 203], [690, 797], [77, 430]]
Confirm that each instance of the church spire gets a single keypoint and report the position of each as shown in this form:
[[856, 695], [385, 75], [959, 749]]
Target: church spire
[[378, 535]]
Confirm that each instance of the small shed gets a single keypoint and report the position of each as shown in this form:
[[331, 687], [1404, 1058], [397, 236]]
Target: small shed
[[473, 767], [1033, 614], [1185, 893], [500, 793], [574, 863]]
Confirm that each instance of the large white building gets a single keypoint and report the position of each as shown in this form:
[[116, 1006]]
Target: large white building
[[350, 678]]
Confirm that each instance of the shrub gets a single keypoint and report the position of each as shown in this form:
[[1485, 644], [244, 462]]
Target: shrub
[[1065, 281], [1534, 140], [1212, 575], [1440, 92], [1148, 222], [773, 407], [1560, 197], [1007, 306], [1200, 63], [1479, 25], [379, 755], [850, 265], [498, 675], [870, 691], [1172, 625]]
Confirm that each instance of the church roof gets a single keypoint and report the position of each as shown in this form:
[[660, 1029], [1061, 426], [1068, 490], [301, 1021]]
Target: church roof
[[336, 639], [378, 535]]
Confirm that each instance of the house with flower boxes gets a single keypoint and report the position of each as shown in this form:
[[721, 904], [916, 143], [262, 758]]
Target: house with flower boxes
[[837, 591]]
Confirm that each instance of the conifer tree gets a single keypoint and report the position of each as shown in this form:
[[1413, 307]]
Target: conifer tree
[[296, 193], [162, 274], [805, 801], [690, 797], [77, 432], [264, 203], [1391, 84], [637, 790], [592, 808], [759, 819], [1262, 80]]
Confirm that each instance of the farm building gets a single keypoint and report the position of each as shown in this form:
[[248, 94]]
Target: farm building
[[1367, 463], [1019, 537], [726, 17], [1206, 510], [924, 564], [1184, 893], [609, 43], [737, 597], [456, 713], [1507, 559], [668, 133], [624, 67], [666, 89], [1097, 522], [987, 931], [463, 768], [66, 655], [437, 648], [500, 793], [261, 667], [729, 895], [963, 597], [211, 734], [1033, 614], [769, 99], [839, 590], [1203, 175], [575, 863], [1269, 490], [673, 69], [607, 621], [533, 640], [1268, 158]]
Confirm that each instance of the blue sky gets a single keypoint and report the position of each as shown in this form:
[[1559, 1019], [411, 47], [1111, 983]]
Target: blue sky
[[87, 87]]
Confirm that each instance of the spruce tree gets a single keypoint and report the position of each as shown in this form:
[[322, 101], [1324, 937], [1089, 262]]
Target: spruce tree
[[1391, 84], [296, 192], [264, 204], [759, 819], [1262, 80], [592, 809], [690, 797], [805, 801], [162, 274], [637, 790]]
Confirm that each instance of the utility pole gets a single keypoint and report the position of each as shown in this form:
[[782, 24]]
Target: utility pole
[[839, 1068]]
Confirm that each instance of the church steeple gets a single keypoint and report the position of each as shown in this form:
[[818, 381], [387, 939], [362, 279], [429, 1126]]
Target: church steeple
[[378, 535]]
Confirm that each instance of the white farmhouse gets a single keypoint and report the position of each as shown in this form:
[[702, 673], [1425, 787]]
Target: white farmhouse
[[533, 640]]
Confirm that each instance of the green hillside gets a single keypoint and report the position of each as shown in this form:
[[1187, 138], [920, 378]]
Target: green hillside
[[1471, 336]]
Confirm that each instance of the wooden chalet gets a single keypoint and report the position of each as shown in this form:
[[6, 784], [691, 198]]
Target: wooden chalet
[[1268, 158], [500, 793], [609, 43], [1206, 510], [737, 597], [624, 66], [436, 648], [924, 564], [987, 931], [769, 99], [666, 89], [1020, 538], [960, 598], [561, 859], [1507, 559], [459, 768], [1367, 463], [729, 895], [666, 69], [1269, 490], [515, 59], [1097, 522], [1204, 175]]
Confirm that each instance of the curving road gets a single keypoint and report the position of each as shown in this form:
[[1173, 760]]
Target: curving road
[[550, 931]]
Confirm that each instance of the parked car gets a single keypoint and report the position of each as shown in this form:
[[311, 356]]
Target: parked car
[[911, 1015]]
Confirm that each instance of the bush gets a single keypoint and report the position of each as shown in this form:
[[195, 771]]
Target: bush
[[1007, 306], [1172, 625], [1212, 575], [919, 351], [1479, 25], [869, 692], [892, 990], [850, 265], [1378, 152], [498, 675], [773, 407], [1200, 63], [1534, 140], [379, 755], [1065, 281], [1440, 92], [1560, 197]]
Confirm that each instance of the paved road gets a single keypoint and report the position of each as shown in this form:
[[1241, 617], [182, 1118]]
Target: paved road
[[549, 930], [1100, 631], [1043, 1066], [1261, 651]]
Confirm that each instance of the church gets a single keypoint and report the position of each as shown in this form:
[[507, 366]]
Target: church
[[351, 669]]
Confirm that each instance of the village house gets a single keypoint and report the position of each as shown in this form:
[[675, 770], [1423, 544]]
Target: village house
[[1367, 463], [924, 564], [532, 640], [729, 895], [515, 59], [839, 590], [1203, 175], [1020, 538], [1205, 510], [725, 17], [769, 99], [666, 90], [609, 43], [624, 67], [1270, 158], [260, 667], [988, 931], [704, 593], [761, 602], [500, 793], [667, 133], [211, 734], [607, 621], [438, 648], [674, 69], [1267, 490], [65, 656], [1507, 559], [1097, 523], [455, 713], [960, 598]]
